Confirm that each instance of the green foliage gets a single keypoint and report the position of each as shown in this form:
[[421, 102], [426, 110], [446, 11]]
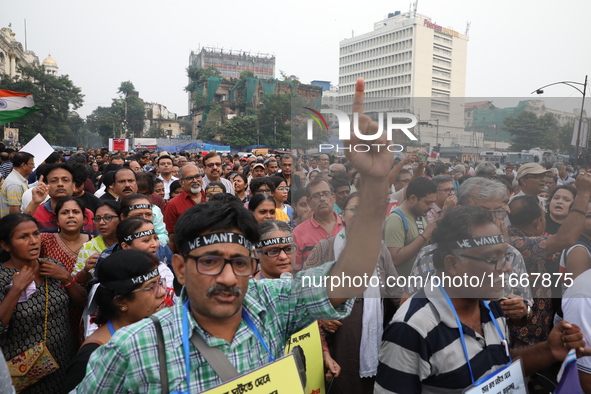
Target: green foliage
[[126, 88], [528, 130], [155, 132], [56, 96], [199, 76], [110, 122], [239, 132], [565, 134], [274, 120]]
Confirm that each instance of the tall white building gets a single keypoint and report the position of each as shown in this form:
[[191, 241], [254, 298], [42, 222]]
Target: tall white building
[[410, 64]]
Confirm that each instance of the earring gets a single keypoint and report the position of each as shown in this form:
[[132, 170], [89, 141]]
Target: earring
[[123, 308]]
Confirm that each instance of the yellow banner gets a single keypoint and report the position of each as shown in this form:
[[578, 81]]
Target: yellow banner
[[279, 377], [308, 340]]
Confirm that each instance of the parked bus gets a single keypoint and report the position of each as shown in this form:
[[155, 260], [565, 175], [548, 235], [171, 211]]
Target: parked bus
[[493, 157]]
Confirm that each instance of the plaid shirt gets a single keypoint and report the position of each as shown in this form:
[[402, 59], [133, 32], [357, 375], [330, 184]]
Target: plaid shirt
[[278, 308]]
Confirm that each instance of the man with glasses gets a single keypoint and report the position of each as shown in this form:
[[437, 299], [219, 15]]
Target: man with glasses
[[213, 172], [445, 197], [452, 334], [165, 169], [15, 184], [247, 321], [193, 194], [324, 223]]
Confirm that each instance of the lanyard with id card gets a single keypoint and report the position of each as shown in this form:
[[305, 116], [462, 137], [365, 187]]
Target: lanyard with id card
[[507, 379]]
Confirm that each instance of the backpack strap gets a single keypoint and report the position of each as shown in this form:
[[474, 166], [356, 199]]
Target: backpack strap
[[161, 355], [404, 221]]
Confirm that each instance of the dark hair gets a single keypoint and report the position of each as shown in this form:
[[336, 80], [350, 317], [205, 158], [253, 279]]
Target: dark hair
[[113, 205], [235, 174], [145, 181], [457, 224], [216, 184], [258, 199], [116, 157], [175, 185], [524, 210], [129, 226], [208, 156], [420, 187], [224, 197], [339, 182], [350, 197], [79, 175], [61, 203], [213, 217], [277, 180], [53, 158], [125, 264], [295, 199], [440, 169], [7, 226], [157, 181], [124, 169], [570, 188], [57, 166], [21, 158], [256, 183], [128, 200], [287, 156]]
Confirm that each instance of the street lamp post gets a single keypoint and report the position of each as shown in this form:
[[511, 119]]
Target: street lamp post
[[583, 92]]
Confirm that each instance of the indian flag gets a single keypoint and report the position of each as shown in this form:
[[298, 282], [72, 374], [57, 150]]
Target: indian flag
[[15, 106]]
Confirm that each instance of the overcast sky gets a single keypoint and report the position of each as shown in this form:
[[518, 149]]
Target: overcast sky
[[515, 46]]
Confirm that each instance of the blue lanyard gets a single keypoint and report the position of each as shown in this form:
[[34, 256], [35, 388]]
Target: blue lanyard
[[186, 347], [461, 331], [111, 328]]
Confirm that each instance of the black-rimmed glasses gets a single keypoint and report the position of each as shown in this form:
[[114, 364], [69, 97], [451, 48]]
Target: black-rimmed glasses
[[499, 263], [214, 265], [192, 177], [275, 252], [106, 218]]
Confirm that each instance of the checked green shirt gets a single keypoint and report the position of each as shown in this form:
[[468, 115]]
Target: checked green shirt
[[128, 363]]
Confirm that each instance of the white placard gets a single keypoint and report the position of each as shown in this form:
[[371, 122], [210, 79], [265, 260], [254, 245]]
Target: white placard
[[39, 148], [508, 380]]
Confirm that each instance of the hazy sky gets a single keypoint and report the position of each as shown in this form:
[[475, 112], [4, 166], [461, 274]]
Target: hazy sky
[[515, 46]]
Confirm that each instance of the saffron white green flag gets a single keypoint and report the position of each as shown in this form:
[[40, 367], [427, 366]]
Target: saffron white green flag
[[15, 106]]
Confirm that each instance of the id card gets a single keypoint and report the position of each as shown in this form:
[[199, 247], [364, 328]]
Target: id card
[[507, 380]]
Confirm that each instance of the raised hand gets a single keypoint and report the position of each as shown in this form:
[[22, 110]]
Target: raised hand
[[40, 191], [377, 162]]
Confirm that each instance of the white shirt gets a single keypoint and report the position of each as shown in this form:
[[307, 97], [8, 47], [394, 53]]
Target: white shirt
[[167, 185]]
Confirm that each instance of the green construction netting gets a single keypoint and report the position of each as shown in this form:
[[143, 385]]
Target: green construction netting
[[318, 104], [290, 84], [251, 84], [268, 88], [213, 84], [231, 98]]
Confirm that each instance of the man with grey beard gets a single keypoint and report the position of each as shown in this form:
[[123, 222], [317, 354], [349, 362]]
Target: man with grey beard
[[190, 178]]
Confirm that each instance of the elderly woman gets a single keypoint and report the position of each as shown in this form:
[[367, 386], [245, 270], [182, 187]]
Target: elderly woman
[[130, 288]]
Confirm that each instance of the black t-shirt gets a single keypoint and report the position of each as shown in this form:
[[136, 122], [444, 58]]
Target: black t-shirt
[[551, 226], [77, 368], [90, 201]]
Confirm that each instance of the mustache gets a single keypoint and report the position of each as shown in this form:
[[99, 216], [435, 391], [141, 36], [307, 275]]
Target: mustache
[[127, 189], [221, 288]]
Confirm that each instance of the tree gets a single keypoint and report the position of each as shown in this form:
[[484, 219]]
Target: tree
[[240, 132], [275, 119], [126, 88], [56, 96], [528, 131], [199, 77], [565, 134]]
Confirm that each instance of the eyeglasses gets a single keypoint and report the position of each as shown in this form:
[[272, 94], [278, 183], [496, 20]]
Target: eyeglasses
[[283, 188], [318, 196], [155, 289], [446, 191], [266, 191], [214, 265], [275, 252], [499, 214], [106, 218], [192, 178], [352, 210], [499, 263], [211, 165]]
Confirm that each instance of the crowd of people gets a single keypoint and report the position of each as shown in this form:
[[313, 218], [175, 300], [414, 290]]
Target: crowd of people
[[94, 243]]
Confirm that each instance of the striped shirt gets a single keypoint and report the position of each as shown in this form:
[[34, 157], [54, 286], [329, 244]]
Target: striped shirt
[[421, 350], [279, 308], [12, 191]]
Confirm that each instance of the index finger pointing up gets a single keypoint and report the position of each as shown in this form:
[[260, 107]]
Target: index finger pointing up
[[359, 94]]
